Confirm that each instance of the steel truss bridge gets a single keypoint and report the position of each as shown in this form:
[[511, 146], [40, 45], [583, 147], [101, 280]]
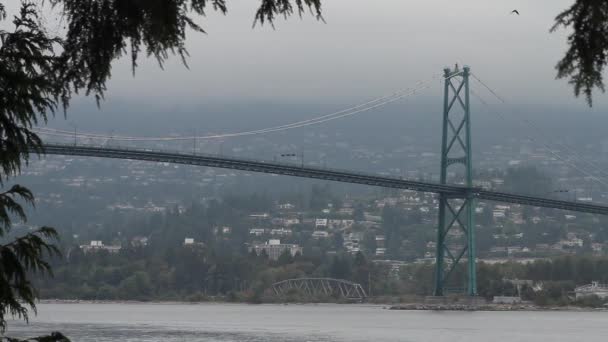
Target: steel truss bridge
[[289, 169], [321, 286], [456, 202]]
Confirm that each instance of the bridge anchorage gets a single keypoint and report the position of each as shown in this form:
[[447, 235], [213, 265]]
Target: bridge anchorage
[[315, 287]]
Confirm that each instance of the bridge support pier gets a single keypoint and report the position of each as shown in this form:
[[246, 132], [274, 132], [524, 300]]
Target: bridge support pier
[[456, 227]]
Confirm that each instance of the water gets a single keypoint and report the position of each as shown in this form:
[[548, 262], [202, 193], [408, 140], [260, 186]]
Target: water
[[304, 323]]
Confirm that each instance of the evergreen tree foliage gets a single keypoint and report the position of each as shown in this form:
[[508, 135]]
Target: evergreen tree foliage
[[587, 54]]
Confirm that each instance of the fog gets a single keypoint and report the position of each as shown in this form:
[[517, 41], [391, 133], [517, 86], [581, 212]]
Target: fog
[[363, 50]]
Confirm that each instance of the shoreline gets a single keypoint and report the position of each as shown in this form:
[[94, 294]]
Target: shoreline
[[386, 306]]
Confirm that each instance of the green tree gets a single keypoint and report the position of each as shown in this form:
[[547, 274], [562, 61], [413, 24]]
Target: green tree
[[341, 267], [359, 213], [285, 258], [29, 92]]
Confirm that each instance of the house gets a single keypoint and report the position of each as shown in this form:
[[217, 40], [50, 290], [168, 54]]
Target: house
[[285, 221], [291, 221], [286, 206], [593, 289], [514, 249], [597, 247], [139, 241], [320, 234], [498, 213], [96, 246], [259, 216], [222, 230], [346, 211], [372, 218], [380, 245], [351, 242], [257, 231], [321, 223], [506, 300], [576, 242], [281, 232]]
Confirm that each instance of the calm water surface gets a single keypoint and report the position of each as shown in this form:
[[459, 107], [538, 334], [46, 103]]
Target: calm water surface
[[303, 323]]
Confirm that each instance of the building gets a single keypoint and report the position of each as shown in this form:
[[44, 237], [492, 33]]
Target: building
[[139, 241], [191, 243], [351, 242], [274, 249], [575, 242], [286, 206], [321, 223], [597, 247], [96, 246], [320, 234], [506, 300], [593, 289], [380, 245], [281, 232], [257, 231]]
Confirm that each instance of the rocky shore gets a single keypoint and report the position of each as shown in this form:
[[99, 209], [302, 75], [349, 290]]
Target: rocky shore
[[491, 307]]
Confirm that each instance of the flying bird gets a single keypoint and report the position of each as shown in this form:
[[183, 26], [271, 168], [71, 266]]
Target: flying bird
[[515, 11]]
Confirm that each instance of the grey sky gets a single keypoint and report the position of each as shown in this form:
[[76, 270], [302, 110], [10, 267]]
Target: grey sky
[[366, 49]]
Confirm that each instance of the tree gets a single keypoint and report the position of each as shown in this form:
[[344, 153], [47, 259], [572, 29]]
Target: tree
[[29, 92], [285, 258], [587, 55], [39, 73]]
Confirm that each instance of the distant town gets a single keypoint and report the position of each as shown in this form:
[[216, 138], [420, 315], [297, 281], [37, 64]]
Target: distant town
[[505, 232]]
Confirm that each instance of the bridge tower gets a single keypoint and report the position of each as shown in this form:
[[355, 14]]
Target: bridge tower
[[456, 212]]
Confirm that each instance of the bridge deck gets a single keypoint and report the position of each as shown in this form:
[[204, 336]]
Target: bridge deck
[[317, 173]]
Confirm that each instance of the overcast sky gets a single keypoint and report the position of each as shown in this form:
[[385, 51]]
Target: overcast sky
[[366, 49]]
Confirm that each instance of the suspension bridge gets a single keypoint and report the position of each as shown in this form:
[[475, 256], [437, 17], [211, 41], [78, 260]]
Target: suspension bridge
[[456, 202]]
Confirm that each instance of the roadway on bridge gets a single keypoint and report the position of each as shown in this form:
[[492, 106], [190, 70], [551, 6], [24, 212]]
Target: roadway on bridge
[[294, 170]]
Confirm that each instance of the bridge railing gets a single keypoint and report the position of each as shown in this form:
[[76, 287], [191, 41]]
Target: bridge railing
[[240, 159]]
